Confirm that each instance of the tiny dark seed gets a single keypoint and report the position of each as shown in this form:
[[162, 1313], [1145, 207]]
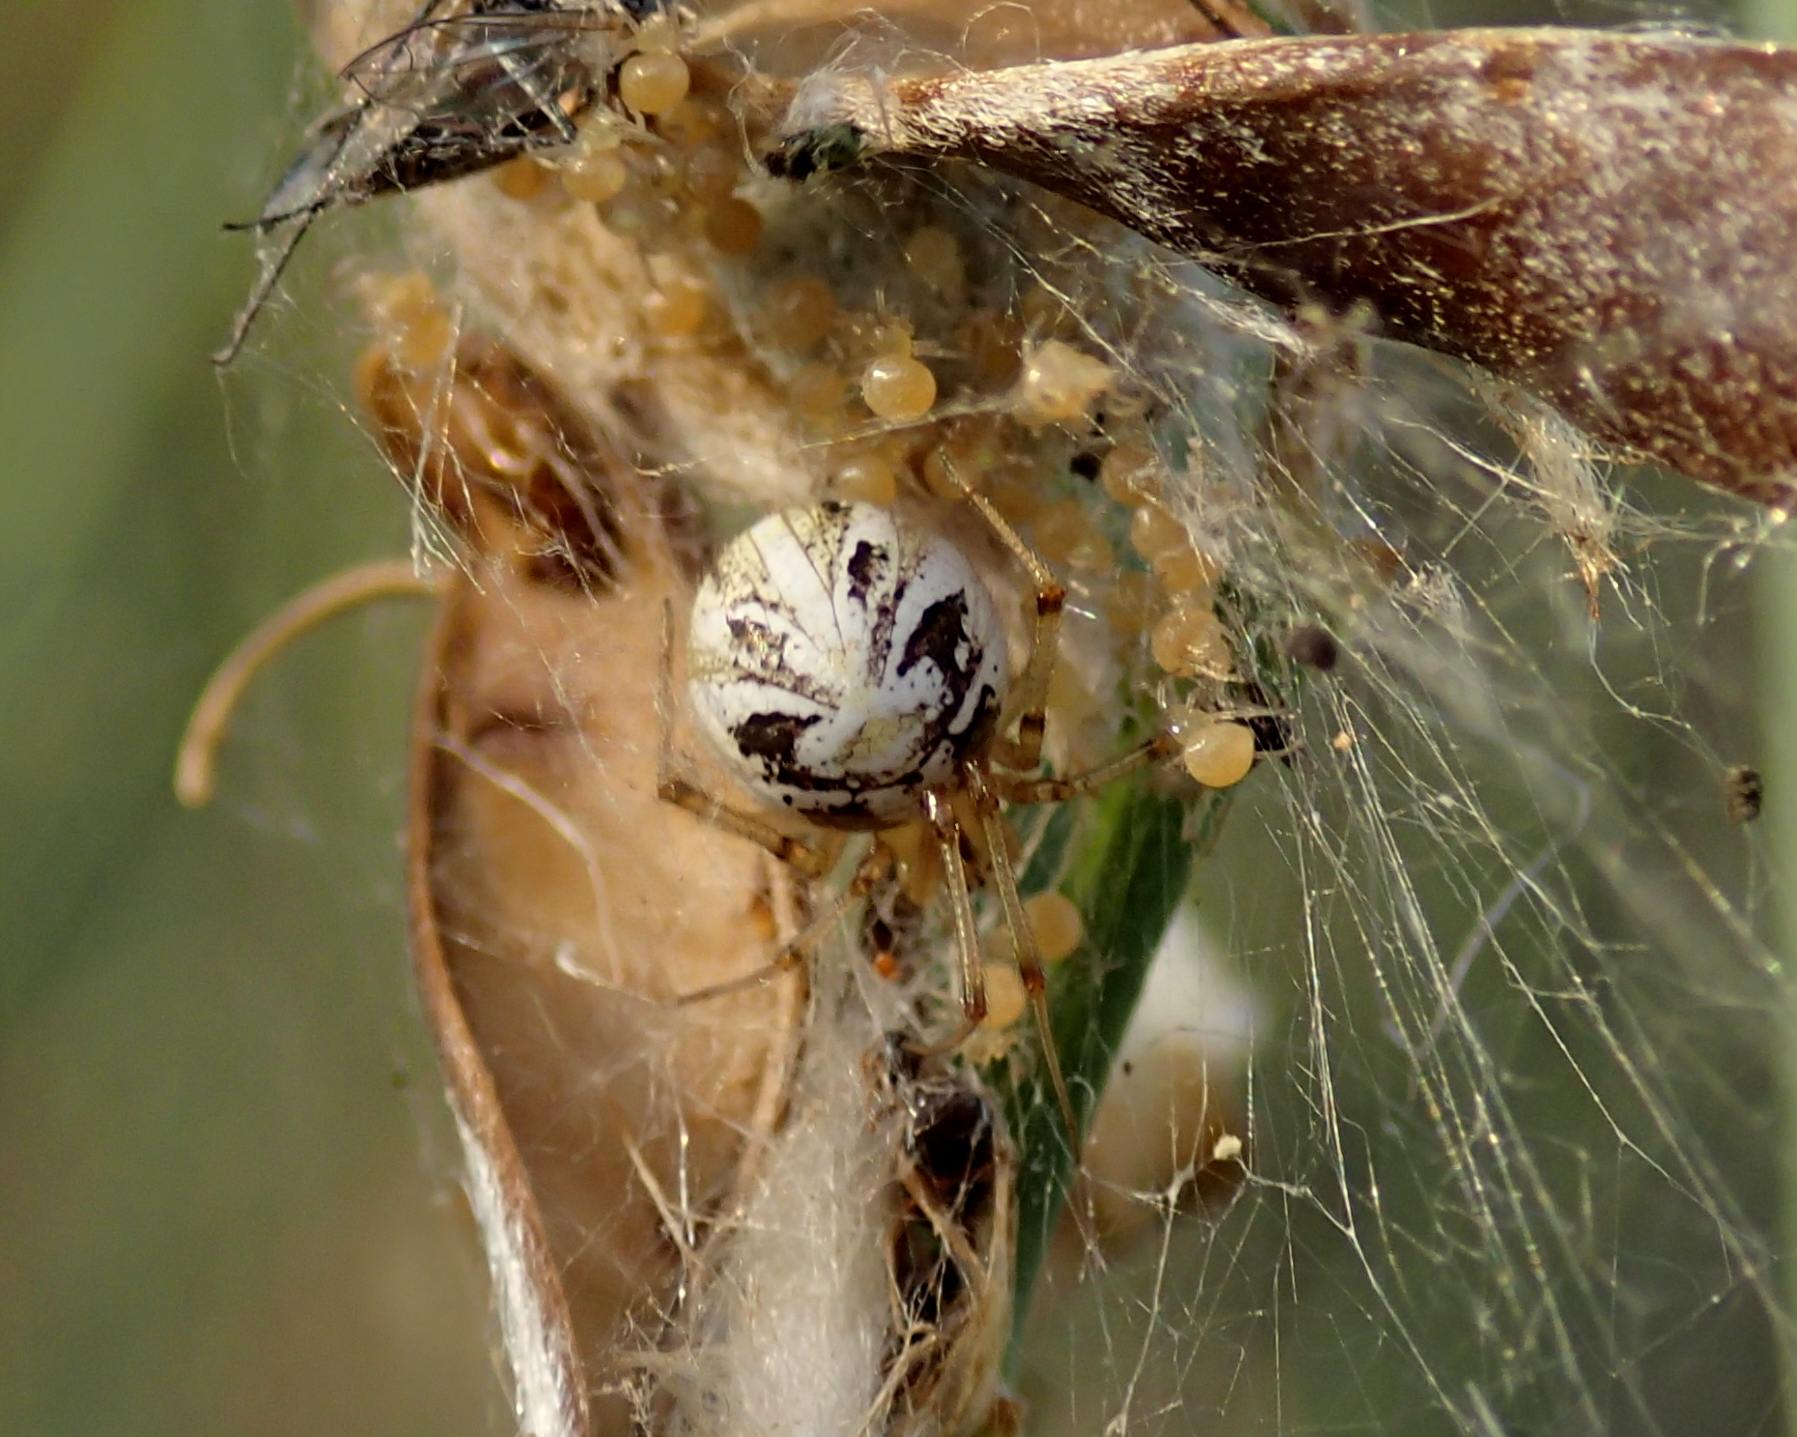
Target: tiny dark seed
[[1312, 647]]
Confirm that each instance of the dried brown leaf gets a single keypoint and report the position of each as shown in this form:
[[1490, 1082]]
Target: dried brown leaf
[[1603, 218], [558, 906]]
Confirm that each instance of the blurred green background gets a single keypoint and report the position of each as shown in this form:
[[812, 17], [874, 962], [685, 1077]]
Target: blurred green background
[[224, 1203], [226, 1183]]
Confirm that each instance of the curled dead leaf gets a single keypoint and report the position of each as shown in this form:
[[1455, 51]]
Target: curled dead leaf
[[1602, 218], [558, 906]]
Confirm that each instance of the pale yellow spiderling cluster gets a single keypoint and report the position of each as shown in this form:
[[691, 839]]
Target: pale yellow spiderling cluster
[[753, 344], [923, 381], [856, 375]]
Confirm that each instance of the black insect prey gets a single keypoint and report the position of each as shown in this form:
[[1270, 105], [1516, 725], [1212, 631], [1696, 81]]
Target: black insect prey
[[443, 97]]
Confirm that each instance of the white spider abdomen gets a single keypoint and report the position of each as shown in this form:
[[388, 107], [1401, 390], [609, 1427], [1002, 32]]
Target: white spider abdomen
[[843, 661]]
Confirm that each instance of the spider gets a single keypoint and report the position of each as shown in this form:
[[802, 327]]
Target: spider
[[850, 667]]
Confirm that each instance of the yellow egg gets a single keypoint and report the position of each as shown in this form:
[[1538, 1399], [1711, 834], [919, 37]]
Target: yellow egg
[[898, 388], [711, 171], [595, 175], [659, 34], [676, 308], [652, 82], [1054, 919], [1005, 998], [799, 312], [934, 256], [1219, 755], [866, 477], [817, 390], [1128, 473], [733, 226], [427, 340], [1153, 532], [1184, 570], [1189, 640], [520, 179]]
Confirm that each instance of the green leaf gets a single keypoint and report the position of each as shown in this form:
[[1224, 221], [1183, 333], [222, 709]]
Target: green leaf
[[1130, 872]]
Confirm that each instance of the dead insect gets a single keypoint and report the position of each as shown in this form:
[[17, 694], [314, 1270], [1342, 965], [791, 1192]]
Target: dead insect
[[814, 152], [1745, 791], [442, 98]]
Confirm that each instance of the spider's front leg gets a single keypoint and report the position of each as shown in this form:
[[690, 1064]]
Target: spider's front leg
[[1023, 938], [1030, 700], [791, 954], [1016, 788], [948, 831], [970, 976]]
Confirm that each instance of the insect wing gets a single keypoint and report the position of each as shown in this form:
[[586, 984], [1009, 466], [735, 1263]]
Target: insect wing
[[437, 64], [310, 181], [347, 147], [439, 99]]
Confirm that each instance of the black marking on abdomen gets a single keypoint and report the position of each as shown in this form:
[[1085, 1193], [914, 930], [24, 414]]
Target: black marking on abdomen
[[940, 632], [865, 568], [940, 636], [772, 739], [758, 652]]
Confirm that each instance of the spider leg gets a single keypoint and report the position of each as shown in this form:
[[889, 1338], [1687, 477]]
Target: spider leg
[[1023, 942], [1031, 697], [791, 953], [1014, 788], [972, 978], [674, 787], [682, 793], [947, 827]]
